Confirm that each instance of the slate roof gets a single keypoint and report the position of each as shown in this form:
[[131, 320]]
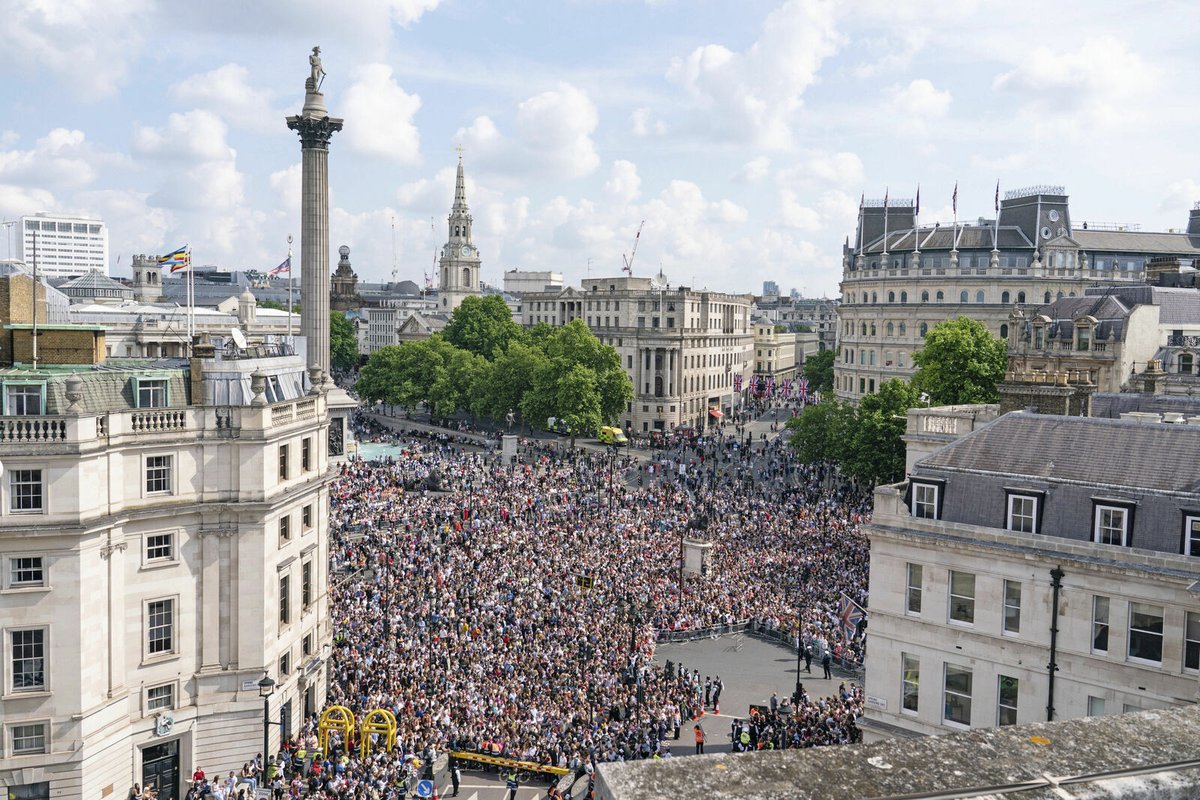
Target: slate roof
[[1113, 404], [1134, 242], [1123, 454], [970, 237]]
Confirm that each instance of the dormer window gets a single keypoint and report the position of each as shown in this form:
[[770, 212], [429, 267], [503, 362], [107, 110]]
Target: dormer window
[[1039, 337], [24, 399], [151, 392], [1083, 337]]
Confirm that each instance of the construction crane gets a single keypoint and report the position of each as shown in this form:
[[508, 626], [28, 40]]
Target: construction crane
[[628, 268]]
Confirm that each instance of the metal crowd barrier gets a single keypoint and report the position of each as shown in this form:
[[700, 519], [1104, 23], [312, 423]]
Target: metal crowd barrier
[[752, 627], [499, 761]]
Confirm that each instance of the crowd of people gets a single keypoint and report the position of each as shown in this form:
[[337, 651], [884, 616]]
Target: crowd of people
[[514, 609]]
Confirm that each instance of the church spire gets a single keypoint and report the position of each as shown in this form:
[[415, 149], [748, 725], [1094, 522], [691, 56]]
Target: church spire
[[460, 186]]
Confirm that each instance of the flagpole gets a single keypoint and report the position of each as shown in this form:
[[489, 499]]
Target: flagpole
[[191, 303], [289, 308], [883, 255]]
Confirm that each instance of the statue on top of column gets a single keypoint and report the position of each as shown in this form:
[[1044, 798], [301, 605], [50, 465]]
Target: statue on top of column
[[318, 73]]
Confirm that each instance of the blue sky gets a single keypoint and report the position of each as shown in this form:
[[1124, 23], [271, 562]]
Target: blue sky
[[743, 133]]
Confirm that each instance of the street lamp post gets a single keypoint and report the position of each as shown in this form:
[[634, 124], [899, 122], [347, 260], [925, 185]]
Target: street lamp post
[[266, 688]]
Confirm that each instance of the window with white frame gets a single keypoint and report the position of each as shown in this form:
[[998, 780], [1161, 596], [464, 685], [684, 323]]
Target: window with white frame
[[160, 627], [285, 600], [1145, 633], [25, 571], [28, 659], [1191, 642], [925, 500], [160, 698], [910, 683], [1111, 525], [151, 393], [285, 527], [1022, 513], [25, 491], [1012, 606], [22, 400], [957, 695], [158, 474], [912, 600], [306, 517], [1006, 700], [283, 462], [1100, 624], [1191, 536], [306, 584], [306, 454], [27, 738], [962, 597], [160, 547], [1095, 706]]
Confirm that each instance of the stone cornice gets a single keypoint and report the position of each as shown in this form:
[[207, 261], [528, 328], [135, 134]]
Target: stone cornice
[[315, 132]]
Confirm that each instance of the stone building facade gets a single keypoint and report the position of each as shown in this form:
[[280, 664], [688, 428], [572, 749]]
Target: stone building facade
[[680, 347], [1025, 572], [163, 544], [899, 280]]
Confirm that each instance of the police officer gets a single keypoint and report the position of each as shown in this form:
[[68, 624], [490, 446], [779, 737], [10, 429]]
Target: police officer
[[455, 778], [511, 783]]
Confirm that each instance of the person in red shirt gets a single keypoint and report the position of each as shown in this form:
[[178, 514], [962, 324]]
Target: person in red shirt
[[198, 775]]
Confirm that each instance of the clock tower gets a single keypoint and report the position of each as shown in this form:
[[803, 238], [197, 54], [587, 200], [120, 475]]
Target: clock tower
[[458, 268]]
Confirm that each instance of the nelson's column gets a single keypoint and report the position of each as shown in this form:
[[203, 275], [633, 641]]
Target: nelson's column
[[316, 128]]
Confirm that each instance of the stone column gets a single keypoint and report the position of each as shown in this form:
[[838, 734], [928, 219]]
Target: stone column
[[316, 128]]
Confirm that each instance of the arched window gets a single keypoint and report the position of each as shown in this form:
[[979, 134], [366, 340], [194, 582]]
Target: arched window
[[925, 296], [1046, 298], [904, 297], [658, 386], [467, 277], [1185, 363], [900, 359], [903, 329], [941, 296], [891, 297], [924, 329], [874, 298], [1004, 331], [979, 296], [863, 328], [862, 358], [1072, 294], [871, 357], [1021, 297], [890, 330], [872, 327], [1004, 297], [963, 297]]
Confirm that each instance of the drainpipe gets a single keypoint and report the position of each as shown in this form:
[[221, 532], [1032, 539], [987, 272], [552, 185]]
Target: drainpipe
[[1056, 576]]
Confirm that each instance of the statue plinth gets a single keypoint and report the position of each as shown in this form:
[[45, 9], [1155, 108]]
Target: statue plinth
[[314, 102]]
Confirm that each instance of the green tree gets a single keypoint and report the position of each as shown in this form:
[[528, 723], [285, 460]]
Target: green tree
[[818, 368], [275, 304], [343, 344], [451, 389], [961, 362], [820, 432], [404, 374], [502, 384], [482, 325], [875, 450], [574, 344], [578, 400]]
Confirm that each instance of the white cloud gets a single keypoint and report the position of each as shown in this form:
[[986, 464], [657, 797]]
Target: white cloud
[[287, 184], [642, 124], [1179, 196], [194, 135], [226, 91], [754, 170], [1102, 81], [61, 159], [88, 45], [381, 116], [557, 125], [820, 169], [753, 96], [623, 183], [18, 200], [795, 215], [914, 106]]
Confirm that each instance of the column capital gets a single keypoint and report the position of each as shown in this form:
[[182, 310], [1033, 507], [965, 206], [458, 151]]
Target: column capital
[[315, 132]]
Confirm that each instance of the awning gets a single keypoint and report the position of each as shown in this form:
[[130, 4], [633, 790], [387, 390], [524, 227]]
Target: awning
[[715, 413]]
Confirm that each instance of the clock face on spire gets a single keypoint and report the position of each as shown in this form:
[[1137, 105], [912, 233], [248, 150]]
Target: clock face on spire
[[466, 250]]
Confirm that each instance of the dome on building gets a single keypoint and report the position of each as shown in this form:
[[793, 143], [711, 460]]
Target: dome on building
[[407, 287]]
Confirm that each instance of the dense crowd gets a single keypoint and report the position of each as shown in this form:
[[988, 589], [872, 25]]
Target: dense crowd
[[472, 626]]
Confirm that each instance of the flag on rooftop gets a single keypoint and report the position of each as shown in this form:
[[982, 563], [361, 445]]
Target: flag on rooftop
[[178, 259], [286, 266]]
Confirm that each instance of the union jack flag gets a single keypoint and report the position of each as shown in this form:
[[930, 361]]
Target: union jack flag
[[737, 383], [771, 384], [787, 387], [850, 617], [802, 388]]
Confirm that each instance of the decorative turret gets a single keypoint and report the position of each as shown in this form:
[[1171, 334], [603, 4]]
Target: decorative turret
[[458, 268]]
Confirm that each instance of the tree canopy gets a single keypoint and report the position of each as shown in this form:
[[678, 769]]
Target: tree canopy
[[818, 368], [865, 442], [343, 344], [961, 362], [538, 373], [482, 325]]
